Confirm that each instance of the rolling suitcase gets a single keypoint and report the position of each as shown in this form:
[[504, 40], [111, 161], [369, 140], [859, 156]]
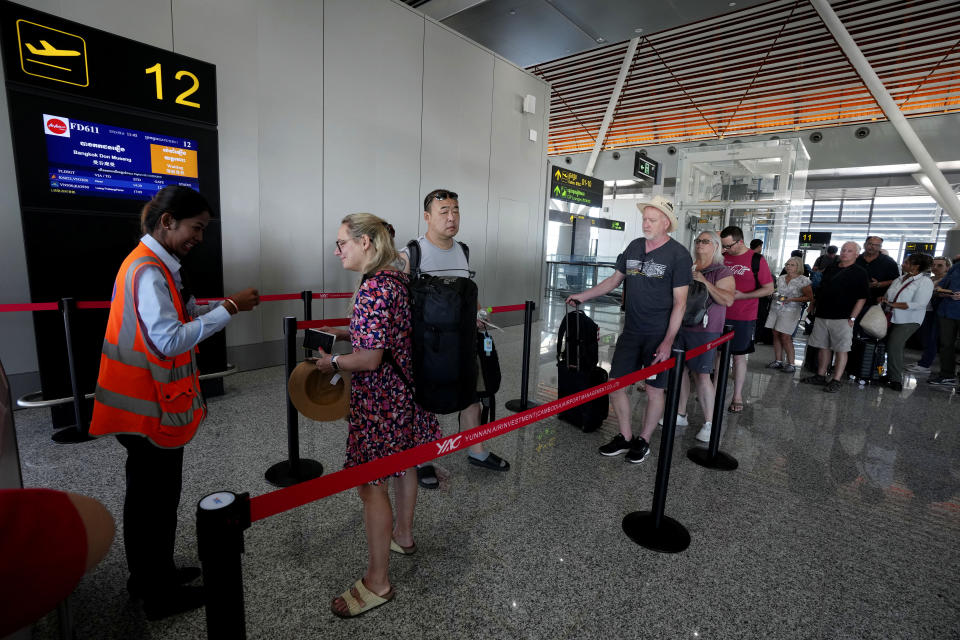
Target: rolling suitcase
[[577, 357], [866, 359]]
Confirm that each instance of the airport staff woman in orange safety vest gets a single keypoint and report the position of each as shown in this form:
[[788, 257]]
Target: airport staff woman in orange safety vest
[[148, 392]]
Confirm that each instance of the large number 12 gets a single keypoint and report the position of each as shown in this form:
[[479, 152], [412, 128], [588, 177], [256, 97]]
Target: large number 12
[[182, 98]]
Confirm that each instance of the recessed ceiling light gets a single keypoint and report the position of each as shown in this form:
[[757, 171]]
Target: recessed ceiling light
[[731, 4], [600, 40], [512, 12], [640, 30]]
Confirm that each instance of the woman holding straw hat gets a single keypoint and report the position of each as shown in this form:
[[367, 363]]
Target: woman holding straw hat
[[384, 419]]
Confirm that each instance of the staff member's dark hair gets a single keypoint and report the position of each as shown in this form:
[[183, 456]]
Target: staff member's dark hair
[[179, 202]]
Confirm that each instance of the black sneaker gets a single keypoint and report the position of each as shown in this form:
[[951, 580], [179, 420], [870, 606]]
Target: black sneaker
[[639, 450], [616, 446], [941, 381], [814, 379], [181, 575], [833, 386], [175, 601]]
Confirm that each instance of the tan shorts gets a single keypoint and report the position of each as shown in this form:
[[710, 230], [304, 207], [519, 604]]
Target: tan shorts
[[783, 319], [833, 334]]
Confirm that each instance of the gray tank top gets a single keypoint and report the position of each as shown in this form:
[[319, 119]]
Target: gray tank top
[[435, 261]]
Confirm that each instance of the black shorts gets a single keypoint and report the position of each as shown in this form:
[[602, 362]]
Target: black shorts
[[635, 351], [743, 331]]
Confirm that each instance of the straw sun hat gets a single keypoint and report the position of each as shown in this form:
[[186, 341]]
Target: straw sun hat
[[312, 393]]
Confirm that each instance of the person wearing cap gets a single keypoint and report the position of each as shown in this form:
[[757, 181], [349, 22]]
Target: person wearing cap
[[655, 271], [384, 418], [754, 281]]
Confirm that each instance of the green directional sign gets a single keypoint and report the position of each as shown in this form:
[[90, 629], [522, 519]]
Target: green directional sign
[[577, 188]]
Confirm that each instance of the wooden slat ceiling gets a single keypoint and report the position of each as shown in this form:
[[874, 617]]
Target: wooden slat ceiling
[[771, 68]]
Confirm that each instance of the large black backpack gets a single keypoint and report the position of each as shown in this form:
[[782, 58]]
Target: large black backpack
[[698, 302], [443, 311]]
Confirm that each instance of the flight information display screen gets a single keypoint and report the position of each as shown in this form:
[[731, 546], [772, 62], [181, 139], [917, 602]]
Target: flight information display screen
[[95, 159]]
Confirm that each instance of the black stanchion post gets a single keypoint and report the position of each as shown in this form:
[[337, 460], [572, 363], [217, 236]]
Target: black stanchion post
[[522, 404], [307, 297], [652, 529], [711, 456], [294, 469], [79, 432], [222, 517]]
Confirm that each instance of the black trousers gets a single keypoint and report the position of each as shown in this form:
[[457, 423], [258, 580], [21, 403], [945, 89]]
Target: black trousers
[[154, 478]]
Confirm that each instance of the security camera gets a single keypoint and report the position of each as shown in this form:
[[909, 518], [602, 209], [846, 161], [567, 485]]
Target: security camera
[[643, 153], [672, 151], [568, 160], [616, 155], [861, 133], [816, 136]]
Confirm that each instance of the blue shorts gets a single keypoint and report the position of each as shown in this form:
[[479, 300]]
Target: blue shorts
[[743, 331], [635, 351], [688, 340]]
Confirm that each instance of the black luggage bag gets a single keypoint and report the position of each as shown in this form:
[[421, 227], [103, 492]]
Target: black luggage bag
[[866, 358], [761, 334], [577, 370]]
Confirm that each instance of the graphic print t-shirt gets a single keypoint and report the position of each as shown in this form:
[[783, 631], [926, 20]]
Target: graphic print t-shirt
[[743, 274], [649, 283]]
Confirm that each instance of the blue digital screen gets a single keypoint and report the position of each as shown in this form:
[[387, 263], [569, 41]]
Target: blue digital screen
[[88, 158]]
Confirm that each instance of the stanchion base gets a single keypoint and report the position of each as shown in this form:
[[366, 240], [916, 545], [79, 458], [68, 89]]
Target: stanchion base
[[70, 435], [283, 474], [723, 461], [517, 406], [670, 537]]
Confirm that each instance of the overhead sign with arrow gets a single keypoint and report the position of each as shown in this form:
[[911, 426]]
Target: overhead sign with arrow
[[577, 188]]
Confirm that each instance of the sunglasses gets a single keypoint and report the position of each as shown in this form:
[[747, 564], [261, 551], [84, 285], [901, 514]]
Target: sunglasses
[[442, 195], [704, 241]]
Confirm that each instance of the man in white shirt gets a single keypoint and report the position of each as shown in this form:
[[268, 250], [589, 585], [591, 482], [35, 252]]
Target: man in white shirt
[[441, 255]]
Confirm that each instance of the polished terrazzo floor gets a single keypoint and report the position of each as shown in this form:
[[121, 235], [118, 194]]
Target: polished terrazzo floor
[[842, 521]]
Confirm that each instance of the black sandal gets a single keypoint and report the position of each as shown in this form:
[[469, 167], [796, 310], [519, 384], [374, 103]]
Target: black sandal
[[492, 461], [427, 477]]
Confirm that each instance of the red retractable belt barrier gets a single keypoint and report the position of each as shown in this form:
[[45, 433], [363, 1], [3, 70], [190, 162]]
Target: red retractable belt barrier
[[511, 307], [275, 297], [38, 306], [275, 502]]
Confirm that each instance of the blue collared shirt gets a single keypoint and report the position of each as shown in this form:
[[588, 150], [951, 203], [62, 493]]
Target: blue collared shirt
[[949, 308], [164, 331]]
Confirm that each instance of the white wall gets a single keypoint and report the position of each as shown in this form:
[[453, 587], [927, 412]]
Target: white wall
[[328, 108]]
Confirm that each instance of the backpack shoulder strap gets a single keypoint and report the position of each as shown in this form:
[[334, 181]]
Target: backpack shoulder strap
[[413, 250], [466, 251], [755, 267]]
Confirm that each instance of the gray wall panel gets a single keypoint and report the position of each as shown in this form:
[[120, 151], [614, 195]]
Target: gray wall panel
[[457, 98], [517, 168], [290, 46], [373, 64], [224, 32]]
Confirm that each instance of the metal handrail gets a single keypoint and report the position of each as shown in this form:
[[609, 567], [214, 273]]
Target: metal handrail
[[32, 400]]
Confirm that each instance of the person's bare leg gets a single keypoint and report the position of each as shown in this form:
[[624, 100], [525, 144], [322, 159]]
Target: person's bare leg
[[823, 361], [788, 348], [684, 394], [653, 411], [739, 377], [470, 419], [378, 522], [839, 365], [405, 494], [621, 404], [705, 392], [777, 346]]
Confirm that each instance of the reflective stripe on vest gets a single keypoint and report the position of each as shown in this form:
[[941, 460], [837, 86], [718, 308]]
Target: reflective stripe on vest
[[140, 390]]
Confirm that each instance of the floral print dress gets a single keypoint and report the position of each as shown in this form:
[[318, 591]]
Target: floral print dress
[[384, 418]]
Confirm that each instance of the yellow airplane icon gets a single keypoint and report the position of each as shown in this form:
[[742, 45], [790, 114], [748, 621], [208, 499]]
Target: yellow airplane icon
[[51, 51]]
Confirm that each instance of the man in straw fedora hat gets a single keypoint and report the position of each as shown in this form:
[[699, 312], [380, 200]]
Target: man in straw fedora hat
[[655, 271]]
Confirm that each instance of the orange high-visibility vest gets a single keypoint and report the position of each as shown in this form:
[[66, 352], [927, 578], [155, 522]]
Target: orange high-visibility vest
[[140, 391]]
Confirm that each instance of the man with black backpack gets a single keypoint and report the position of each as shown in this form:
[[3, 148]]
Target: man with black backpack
[[436, 253], [655, 271], [754, 281]]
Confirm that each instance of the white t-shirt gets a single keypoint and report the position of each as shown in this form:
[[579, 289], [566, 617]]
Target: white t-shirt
[[435, 261]]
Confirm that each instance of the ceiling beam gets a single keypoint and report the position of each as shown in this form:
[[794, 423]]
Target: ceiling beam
[[612, 104]]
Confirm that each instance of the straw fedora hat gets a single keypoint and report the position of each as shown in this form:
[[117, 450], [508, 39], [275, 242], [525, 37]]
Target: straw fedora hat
[[312, 393], [664, 205]]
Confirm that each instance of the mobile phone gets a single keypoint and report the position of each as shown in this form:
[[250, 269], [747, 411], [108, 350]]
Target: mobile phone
[[316, 339]]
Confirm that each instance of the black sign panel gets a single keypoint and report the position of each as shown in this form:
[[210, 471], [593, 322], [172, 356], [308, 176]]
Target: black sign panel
[[929, 248], [814, 239], [42, 50], [645, 169], [600, 223], [577, 188]]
